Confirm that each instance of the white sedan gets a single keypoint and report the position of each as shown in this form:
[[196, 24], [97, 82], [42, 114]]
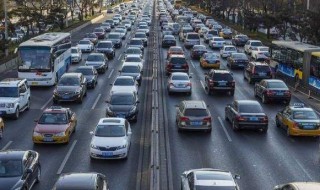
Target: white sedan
[[227, 50], [260, 52], [85, 45], [124, 83], [76, 55], [179, 82], [134, 58], [111, 139]]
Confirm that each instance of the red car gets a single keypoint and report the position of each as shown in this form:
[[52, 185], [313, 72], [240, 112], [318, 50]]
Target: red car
[[176, 50]]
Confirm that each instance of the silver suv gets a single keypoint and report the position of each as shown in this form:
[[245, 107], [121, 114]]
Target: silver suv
[[193, 115], [191, 39]]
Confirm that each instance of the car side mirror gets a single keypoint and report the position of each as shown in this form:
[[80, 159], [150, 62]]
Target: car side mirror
[[36, 120], [237, 176], [205, 73], [137, 101], [107, 101], [29, 171], [15, 50], [91, 132], [228, 105], [119, 71], [129, 133]]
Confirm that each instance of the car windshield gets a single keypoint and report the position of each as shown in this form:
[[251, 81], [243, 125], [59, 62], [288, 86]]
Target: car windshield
[[104, 45], [176, 50], [122, 99], [169, 38], [143, 27], [180, 77], [193, 36], [199, 48], [124, 82], [136, 42], [243, 37], [133, 59], [222, 77], [218, 39], [10, 168], [213, 32], [178, 60], [95, 58], [256, 44], [302, 114], [85, 71], [264, 49], [250, 108], [74, 50], [196, 112], [114, 36], [211, 56], [69, 81], [199, 187], [230, 49], [35, 58], [240, 56], [110, 131], [90, 35], [53, 118], [9, 92], [84, 42], [119, 30], [277, 85], [130, 69]]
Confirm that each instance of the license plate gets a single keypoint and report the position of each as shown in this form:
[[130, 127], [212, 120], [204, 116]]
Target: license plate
[[308, 127], [48, 139], [121, 116], [181, 85], [106, 154], [262, 74], [253, 119], [177, 66], [65, 97], [34, 83], [279, 93], [222, 83], [195, 122]]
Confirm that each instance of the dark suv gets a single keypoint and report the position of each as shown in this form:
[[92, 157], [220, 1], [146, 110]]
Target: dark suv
[[256, 71], [177, 63], [219, 80], [107, 48]]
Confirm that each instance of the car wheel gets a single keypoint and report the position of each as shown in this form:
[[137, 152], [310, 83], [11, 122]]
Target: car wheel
[[28, 105], [250, 80], [255, 92], [94, 84], [208, 131], [264, 130], [38, 175], [1, 133], [277, 123], [234, 126], [226, 117], [232, 93], [288, 132], [16, 114], [264, 100], [80, 100]]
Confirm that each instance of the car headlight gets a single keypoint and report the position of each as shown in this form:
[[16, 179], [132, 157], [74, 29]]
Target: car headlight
[[121, 147], [61, 134], [36, 133], [9, 105], [133, 110], [94, 146]]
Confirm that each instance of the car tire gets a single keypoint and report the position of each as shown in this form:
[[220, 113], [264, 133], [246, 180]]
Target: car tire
[[38, 175], [80, 100], [255, 92], [264, 100], [232, 93], [226, 117], [1, 133], [277, 123], [264, 130], [16, 114], [28, 104], [288, 132], [208, 131], [249, 80], [179, 130], [234, 126]]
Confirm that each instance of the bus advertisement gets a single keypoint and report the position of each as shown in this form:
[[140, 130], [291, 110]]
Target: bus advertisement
[[45, 58]]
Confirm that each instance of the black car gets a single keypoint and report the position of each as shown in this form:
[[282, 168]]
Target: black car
[[239, 40], [168, 41], [71, 87], [19, 169], [110, 21], [142, 36], [116, 39], [272, 90], [136, 42], [256, 71], [197, 51], [106, 27], [107, 48], [90, 73], [92, 37], [99, 32], [219, 81], [124, 105], [237, 60], [246, 114], [99, 61], [80, 181]]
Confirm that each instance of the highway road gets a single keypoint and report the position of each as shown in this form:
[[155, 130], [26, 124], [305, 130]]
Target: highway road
[[74, 157]]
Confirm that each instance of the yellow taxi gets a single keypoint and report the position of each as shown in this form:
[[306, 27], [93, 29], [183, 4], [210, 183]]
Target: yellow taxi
[[55, 125], [298, 186], [210, 60], [1, 127], [298, 120]]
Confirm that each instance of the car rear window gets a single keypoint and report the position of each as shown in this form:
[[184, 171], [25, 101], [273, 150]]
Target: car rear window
[[104, 45], [250, 108], [180, 77], [262, 69], [277, 85], [178, 60], [213, 32], [193, 36], [304, 115], [256, 44], [222, 77], [195, 112]]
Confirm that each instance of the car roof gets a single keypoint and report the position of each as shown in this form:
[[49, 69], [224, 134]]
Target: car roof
[[85, 67], [77, 180], [306, 185], [273, 80], [124, 77], [221, 71], [105, 41], [254, 41], [247, 102], [130, 64], [177, 55], [113, 120], [179, 74], [12, 82], [259, 63], [199, 104], [71, 75], [12, 154], [56, 109], [91, 54], [133, 55]]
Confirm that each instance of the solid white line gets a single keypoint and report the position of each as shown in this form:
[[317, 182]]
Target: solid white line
[[96, 101], [45, 105], [7, 145], [204, 88], [66, 158], [303, 169], [192, 64], [224, 129], [110, 73], [119, 57], [125, 45]]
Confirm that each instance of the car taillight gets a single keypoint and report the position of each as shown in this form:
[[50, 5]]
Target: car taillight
[[265, 118], [287, 93], [295, 125], [184, 119], [211, 82], [171, 84], [186, 66], [270, 92], [239, 118], [189, 84], [207, 119], [169, 66]]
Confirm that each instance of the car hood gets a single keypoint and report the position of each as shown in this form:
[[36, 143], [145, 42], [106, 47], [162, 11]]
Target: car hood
[[109, 141], [40, 128], [67, 88], [121, 108], [8, 99], [10, 183], [123, 88]]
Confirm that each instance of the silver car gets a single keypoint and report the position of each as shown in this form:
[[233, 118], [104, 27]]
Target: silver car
[[179, 82]]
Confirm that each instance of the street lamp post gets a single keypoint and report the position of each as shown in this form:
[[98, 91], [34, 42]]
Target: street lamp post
[[5, 26], [308, 4]]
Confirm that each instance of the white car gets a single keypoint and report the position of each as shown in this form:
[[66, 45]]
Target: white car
[[134, 58], [85, 45], [116, 21], [216, 42], [111, 139], [252, 45], [127, 24], [76, 55], [260, 52], [179, 82], [117, 16], [14, 97], [124, 83], [227, 50], [203, 30], [122, 32]]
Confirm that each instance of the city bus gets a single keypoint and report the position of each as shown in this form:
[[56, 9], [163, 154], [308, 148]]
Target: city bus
[[177, 4], [42, 60], [297, 61]]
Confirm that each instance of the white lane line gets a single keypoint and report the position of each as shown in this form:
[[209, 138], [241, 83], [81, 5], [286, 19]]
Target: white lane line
[[204, 88], [46, 104], [7, 145], [224, 129], [96, 101], [192, 64], [303, 169], [66, 158], [119, 57], [125, 45], [110, 73]]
